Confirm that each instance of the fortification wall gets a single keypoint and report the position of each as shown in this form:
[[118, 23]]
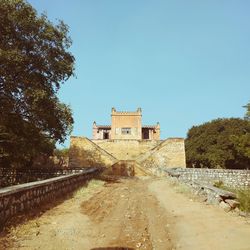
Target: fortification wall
[[84, 153], [126, 149], [168, 154], [229, 177]]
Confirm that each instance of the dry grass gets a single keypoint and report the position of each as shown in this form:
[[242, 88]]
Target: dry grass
[[91, 188], [243, 195], [182, 188]]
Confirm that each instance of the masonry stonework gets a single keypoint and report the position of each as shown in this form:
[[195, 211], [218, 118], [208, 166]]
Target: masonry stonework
[[19, 198], [236, 178], [127, 149], [85, 153], [168, 154]]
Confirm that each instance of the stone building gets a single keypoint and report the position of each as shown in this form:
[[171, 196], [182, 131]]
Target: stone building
[[126, 125], [126, 141]]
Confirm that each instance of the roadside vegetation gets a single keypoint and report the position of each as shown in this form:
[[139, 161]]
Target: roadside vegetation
[[220, 143], [243, 195]]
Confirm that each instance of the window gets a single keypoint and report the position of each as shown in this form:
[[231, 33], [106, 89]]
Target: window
[[126, 131]]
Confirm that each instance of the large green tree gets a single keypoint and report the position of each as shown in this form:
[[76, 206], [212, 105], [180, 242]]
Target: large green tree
[[34, 62], [221, 143]]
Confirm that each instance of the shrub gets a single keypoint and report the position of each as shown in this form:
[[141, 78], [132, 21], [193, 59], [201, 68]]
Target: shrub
[[243, 196]]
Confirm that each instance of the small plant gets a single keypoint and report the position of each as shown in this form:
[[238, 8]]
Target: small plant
[[183, 189], [218, 184], [243, 196]]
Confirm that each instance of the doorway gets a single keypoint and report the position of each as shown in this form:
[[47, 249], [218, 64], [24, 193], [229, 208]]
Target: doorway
[[105, 135], [145, 133]]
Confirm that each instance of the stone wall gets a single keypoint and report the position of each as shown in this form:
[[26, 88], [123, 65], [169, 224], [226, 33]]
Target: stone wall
[[168, 154], [148, 153], [126, 149], [229, 177], [19, 198], [84, 153]]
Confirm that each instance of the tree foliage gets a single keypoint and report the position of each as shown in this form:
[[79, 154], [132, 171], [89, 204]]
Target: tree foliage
[[34, 62], [221, 143], [247, 115]]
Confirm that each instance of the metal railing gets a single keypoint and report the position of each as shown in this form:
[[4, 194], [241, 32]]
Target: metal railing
[[9, 176]]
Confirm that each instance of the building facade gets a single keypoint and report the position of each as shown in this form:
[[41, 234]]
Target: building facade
[[126, 125]]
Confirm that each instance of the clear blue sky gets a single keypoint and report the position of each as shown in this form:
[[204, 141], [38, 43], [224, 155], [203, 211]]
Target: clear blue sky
[[182, 62]]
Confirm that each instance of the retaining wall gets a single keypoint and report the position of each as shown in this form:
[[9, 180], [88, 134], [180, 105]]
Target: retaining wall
[[126, 149], [148, 153], [23, 197], [169, 153], [229, 177], [85, 153]]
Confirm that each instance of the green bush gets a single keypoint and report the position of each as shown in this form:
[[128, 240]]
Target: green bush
[[243, 197]]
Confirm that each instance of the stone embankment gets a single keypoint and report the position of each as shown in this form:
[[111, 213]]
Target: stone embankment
[[202, 180], [213, 195], [235, 178], [19, 198]]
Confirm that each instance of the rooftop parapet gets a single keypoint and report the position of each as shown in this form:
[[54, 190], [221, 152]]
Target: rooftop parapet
[[137, 112]]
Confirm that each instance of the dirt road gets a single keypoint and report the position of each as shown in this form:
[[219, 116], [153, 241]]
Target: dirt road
[[143, 213]]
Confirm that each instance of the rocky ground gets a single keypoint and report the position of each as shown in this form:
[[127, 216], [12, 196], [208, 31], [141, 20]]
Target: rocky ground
[[136, 213]]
